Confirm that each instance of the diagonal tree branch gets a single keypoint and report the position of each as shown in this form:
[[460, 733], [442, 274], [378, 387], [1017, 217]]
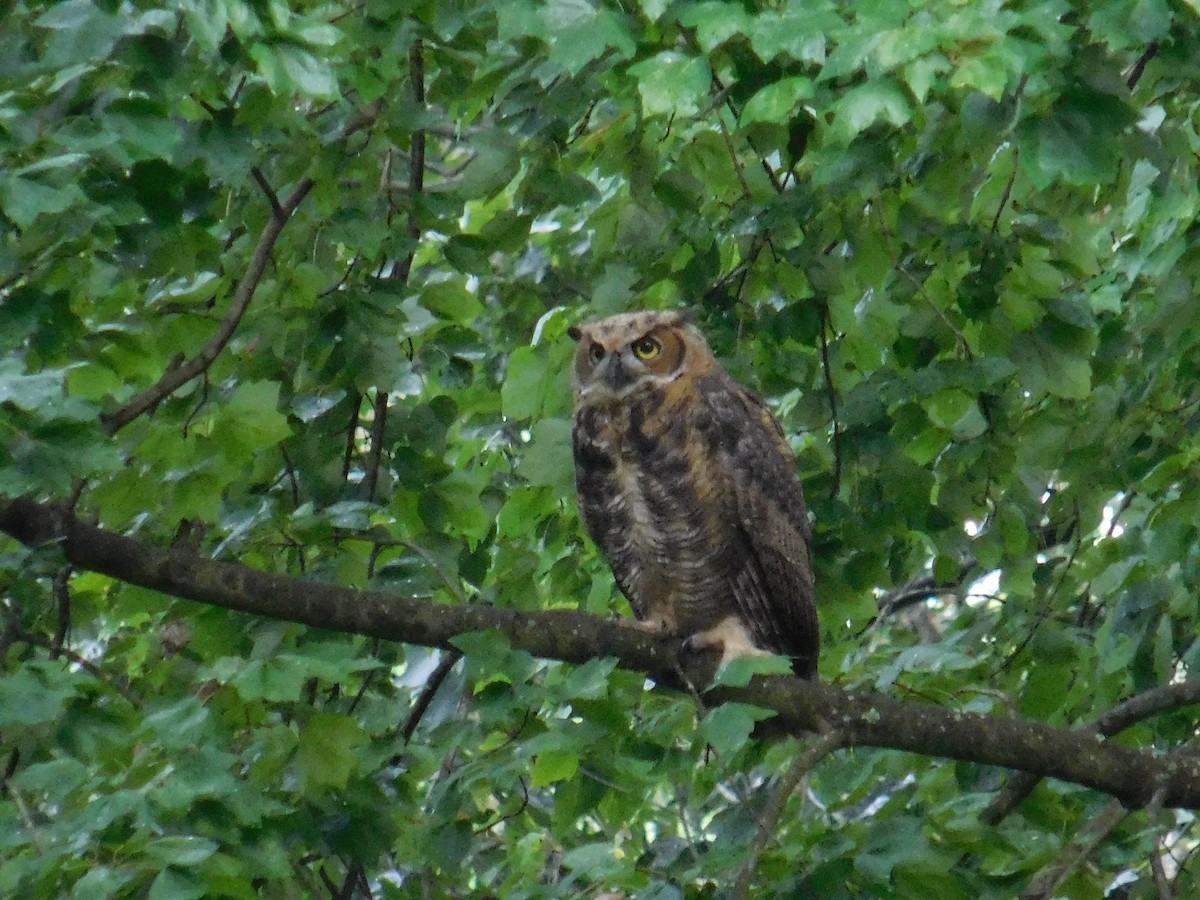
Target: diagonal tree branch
[[177, 376], [863, 719], [1135, 709], [801, 766]]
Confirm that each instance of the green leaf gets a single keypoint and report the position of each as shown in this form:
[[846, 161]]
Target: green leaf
[[24, 199], [672, 83], [552, 766], [715, 23], [524, 389], [181, 850], [798, 32], [55, 779], [581, 33], [27, 699], [29, 392], [728, 727], [957, 412], [289, 69], [590, 681], [777, 102], [547, 460], [328, 751], [879, 100], [495, 163], [451, 300], [102, 881], [1049, 369], [252, 419], [171, 884], [739, 670]]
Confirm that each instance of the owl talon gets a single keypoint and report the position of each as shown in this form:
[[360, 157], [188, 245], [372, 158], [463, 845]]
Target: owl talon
[[729, 637], [650, 626]]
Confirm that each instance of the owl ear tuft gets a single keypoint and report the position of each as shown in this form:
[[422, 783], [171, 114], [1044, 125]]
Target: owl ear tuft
[[687, 315], [574, 332]]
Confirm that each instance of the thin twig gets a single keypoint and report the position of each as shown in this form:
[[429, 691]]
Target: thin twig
[[1046, 883], [62, 598], [351, 434], [1162, 883], [86, 664], [401, 271], [176, 378], [427, 693], [733, 156], [801, 766], [831, 392], [375, 455], [366, 682], [12, 629], [723, 92], [10, 768], [1046, 609], [290, 471], [512, 815], [1008, 188], [1139, 66], [269, 192]]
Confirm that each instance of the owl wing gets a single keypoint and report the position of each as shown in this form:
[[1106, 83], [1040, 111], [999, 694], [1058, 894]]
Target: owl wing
[[772, 576]]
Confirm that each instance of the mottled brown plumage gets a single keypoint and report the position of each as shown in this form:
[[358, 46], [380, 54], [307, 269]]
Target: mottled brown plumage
[[689, 488]]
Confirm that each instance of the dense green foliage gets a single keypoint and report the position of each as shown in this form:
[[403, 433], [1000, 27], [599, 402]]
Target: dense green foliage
[[952, 243]]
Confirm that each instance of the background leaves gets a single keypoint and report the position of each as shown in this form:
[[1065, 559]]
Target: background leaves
[[952, 245]]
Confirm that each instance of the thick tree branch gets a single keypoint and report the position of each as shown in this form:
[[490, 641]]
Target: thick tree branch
[[863, 719], [176, 377], [1135, 709]]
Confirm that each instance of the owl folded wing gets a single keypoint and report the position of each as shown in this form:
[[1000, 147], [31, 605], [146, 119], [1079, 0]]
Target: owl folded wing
[[773, 577]]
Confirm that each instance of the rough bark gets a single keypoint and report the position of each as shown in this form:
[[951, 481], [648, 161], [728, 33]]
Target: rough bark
[[860, 718]]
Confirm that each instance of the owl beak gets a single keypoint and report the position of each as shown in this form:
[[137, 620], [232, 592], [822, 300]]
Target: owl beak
[[612, 372]]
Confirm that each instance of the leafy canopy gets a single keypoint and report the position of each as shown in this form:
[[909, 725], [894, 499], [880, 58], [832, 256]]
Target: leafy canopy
[[950, 242]]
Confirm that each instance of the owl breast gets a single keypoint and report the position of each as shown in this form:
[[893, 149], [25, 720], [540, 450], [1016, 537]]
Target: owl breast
[[648, 503]]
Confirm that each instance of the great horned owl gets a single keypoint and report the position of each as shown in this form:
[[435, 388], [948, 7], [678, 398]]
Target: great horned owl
[[689, 488]]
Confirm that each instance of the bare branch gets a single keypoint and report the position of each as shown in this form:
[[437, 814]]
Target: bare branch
[[86, 664], [1045, 884], [1136, 709], [801, 766], [375, 455], [512, 815], [1135, 71], [1008, 188], [427, 693], [864, 719], [831, 391], [62, 597], [175, 378], [351, 434], [269, 192], [1162, 883]]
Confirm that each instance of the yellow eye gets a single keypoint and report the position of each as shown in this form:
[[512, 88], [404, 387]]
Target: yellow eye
[[596, 352], [647, 347]]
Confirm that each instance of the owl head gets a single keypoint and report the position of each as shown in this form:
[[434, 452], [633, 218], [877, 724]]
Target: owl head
[[631, 351]]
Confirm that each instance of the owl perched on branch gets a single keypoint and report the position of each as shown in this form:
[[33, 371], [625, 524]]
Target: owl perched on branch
[[689, 488]]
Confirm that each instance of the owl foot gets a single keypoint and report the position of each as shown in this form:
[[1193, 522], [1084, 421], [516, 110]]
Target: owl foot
[[729, 636], [650, 626]]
